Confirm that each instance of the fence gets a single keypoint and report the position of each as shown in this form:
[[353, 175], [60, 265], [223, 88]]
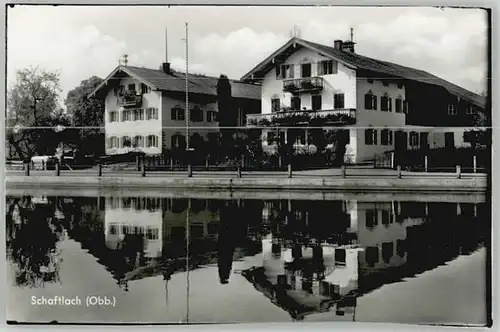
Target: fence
[[436, 160]]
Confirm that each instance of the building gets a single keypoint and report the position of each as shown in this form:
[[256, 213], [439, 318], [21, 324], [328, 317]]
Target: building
[[145, 108], [305, 83]]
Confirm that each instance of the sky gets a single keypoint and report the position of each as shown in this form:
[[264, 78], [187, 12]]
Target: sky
[[82, 41]]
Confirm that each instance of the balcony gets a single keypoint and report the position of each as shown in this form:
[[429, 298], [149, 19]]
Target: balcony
[[129, 99], [341, 116], [308, 84]]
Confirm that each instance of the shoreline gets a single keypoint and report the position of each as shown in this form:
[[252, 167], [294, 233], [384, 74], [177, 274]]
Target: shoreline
[[467, 184]]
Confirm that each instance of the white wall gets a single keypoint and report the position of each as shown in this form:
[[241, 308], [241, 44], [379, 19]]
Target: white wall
[[133, 128], [344, 81], [164, 104], [376, 118]]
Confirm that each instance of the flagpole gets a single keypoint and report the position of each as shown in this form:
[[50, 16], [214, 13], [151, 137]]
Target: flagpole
[[187, 94]]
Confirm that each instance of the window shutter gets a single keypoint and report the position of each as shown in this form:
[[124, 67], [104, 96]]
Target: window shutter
[[390, 136], [375, 137], [319, 66], [368, 102], [278, 72], [375, 102], [368, 137], [292, 71], [335, 67], [390, 104]]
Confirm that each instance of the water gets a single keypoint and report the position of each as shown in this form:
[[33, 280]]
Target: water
[[361, 258]]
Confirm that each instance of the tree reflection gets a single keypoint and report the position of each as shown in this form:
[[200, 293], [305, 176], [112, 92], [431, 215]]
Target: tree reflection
[[32, 234]]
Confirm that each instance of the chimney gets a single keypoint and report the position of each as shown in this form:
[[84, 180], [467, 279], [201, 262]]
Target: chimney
[[348, 46], [338, 44], [165, 67]]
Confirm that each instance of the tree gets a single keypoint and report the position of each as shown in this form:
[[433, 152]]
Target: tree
[[87, 112], [226, 113], [33, 101]]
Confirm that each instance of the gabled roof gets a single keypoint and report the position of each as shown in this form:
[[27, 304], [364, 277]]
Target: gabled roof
[[159, 80], [360, 62]]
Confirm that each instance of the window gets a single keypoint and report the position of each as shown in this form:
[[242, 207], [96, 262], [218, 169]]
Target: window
[[385, 104], [370, 81], [470, 110], [295, 103], [413, 138], [370, 101], [370, 137], [211, 116], [152, 141], [126, 142], [338, 100], [387, 251], [300, 137], [399, 105], [275, 105], [316, 102], [305, 70], [386, 137], [452, 109], [284, 71], [271, 136], [177, 113], [327, 67], [113, 116], [145, 88], [138, 141], [405, 107], [127, 115], [196, 114], [424, 144], [151, 113], [387, 217], [138, 114], [131, 87], [400, 85], [178, 141], [385, 83], [371, 218], [113, 142]]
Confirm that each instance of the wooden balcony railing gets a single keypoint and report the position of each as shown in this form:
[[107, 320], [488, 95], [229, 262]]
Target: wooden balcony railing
[[129, 100], [306, 84]]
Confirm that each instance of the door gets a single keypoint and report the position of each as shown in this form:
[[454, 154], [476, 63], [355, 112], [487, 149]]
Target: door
[[449, 140], [316, 102], [400, 140], [424, 141], [306, 70]]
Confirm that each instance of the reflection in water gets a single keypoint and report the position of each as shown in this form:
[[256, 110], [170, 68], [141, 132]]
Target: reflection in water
[[305, 256], [33, 230]]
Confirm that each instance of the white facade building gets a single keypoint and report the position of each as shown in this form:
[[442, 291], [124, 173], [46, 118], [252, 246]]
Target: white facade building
[[145, 108], [378, 102]]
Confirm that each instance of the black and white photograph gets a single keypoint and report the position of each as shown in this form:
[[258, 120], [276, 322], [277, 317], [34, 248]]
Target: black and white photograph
[[248, 164]]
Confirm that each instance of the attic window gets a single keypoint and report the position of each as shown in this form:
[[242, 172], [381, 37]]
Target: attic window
[[470, 110], [327, 67], [385, 83], [400, 85], [452, 109]]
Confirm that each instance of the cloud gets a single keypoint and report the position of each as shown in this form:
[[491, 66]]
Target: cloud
[[86, 41]]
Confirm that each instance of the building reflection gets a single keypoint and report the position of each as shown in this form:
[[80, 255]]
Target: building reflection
[[307, 269], [307, 257]]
